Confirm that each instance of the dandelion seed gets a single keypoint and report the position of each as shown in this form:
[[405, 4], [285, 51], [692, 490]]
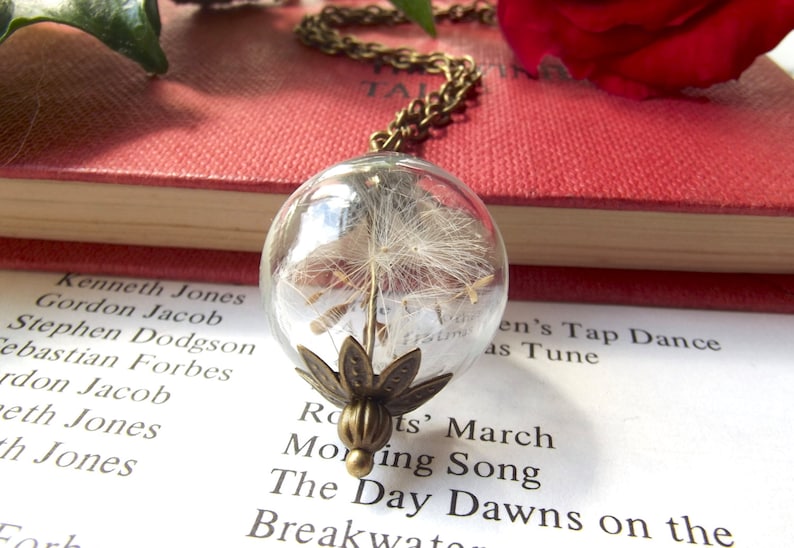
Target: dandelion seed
[[382, 332], [471, 290], [329, 318], [399, 239], [314, 297]]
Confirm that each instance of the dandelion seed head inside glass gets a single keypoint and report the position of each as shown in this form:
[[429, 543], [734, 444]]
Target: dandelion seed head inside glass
[[383, 278]]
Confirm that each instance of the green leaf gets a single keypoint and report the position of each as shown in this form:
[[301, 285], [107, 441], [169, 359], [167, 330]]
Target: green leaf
[[131, 27], [419, 11]]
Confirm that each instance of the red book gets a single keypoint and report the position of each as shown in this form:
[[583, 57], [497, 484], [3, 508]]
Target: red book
[[586, 187]]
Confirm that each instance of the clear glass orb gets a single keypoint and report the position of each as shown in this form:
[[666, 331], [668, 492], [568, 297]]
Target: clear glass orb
[[392, 251]]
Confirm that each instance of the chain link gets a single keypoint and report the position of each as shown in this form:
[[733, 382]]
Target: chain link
[[414, 122]]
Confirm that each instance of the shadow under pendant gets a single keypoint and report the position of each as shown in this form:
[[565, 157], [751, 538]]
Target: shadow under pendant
[[382, 277]]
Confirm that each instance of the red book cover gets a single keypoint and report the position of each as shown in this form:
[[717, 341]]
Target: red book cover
[[246, 110], [721, 291]]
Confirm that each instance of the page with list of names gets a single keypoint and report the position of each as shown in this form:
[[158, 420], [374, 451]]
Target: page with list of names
[[161, 413]]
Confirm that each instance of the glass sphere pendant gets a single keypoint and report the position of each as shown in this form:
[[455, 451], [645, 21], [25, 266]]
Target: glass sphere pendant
[[383, 277]]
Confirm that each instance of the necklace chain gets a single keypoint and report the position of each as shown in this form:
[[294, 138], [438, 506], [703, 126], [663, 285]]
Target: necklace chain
[[413, 123]]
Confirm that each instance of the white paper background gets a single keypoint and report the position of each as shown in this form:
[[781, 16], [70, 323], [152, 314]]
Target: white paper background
[[648, 432]]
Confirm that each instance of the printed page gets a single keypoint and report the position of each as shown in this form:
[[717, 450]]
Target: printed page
[[160, 413]]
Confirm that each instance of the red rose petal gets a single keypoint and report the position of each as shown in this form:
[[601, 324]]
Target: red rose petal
[[599, 16], [641, 49], [526, 28], [710, 49]]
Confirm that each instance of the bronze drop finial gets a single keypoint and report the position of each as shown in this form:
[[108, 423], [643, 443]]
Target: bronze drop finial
[[368, 401]]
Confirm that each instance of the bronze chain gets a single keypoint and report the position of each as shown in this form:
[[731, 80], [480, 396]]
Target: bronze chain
[[414, 122]]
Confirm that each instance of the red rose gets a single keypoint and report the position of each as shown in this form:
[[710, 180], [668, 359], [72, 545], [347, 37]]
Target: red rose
[[642, 48]]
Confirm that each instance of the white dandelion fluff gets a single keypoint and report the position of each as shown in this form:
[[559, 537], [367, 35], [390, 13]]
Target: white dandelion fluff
[[392, 251]]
